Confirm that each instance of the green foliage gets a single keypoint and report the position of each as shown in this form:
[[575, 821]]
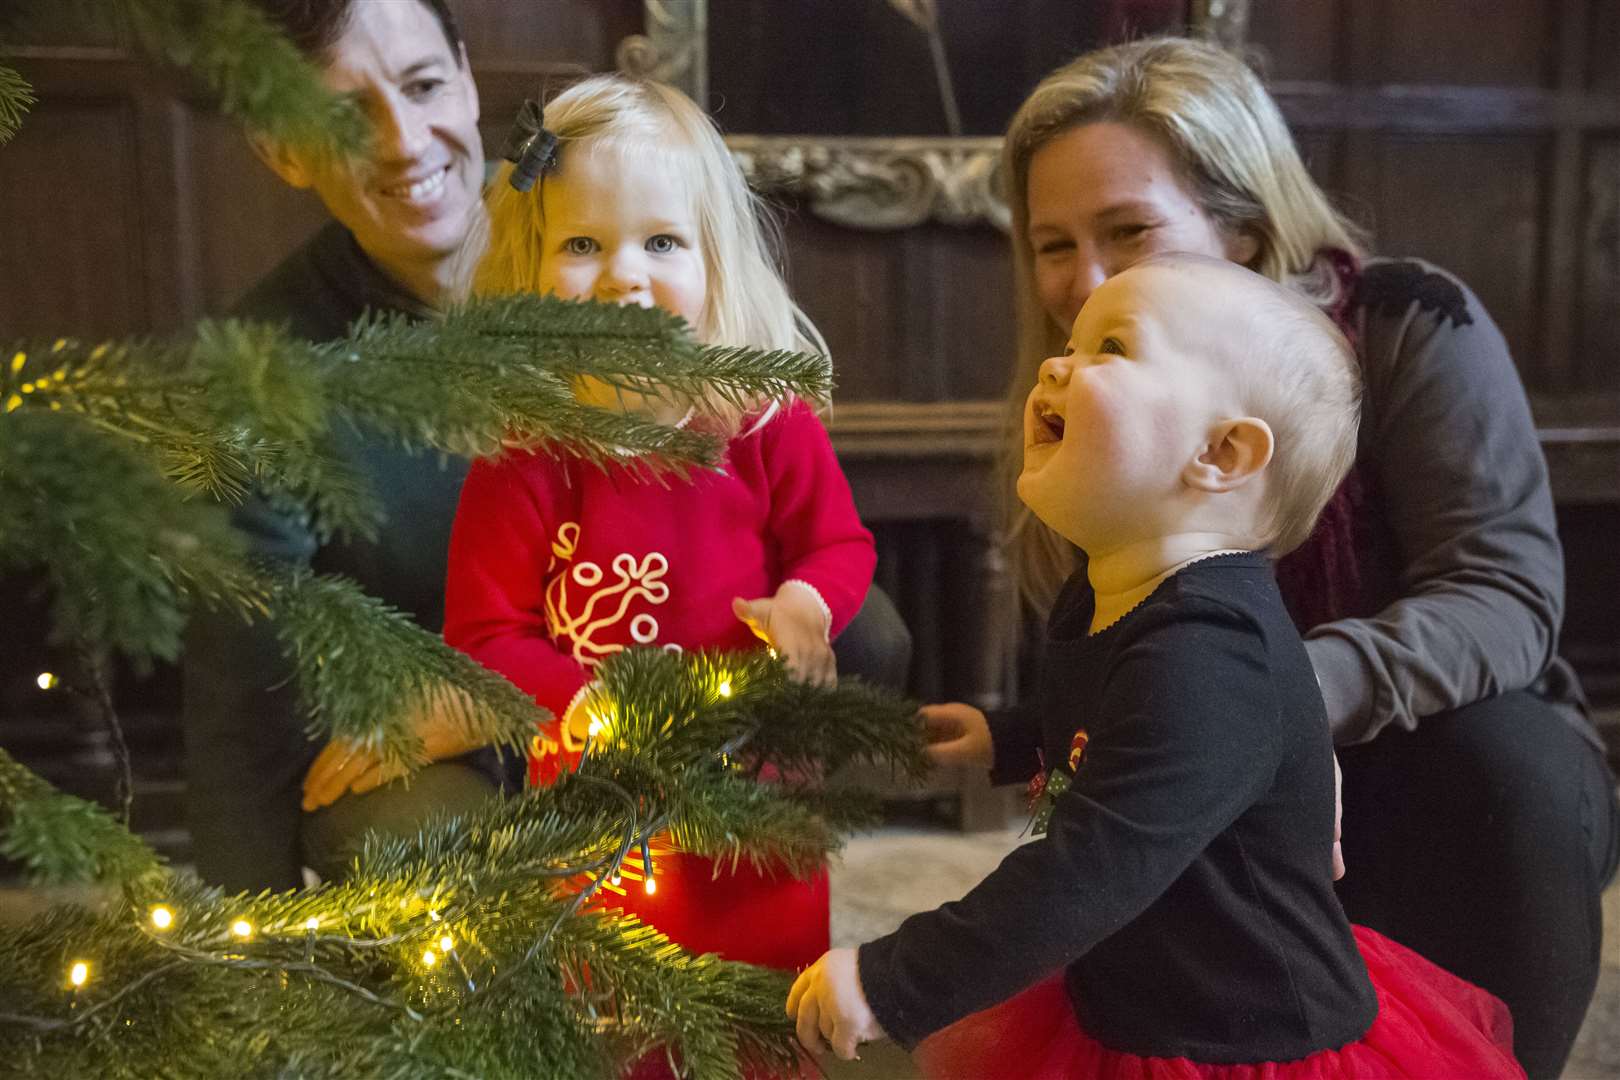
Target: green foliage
[[15, 98], [61, 838], [231, 50], [539, 981], [365, 669], [122, 548]]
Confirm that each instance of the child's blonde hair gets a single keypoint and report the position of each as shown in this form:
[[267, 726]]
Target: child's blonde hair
[[1229, 141], [747, 301], [1291, 367]]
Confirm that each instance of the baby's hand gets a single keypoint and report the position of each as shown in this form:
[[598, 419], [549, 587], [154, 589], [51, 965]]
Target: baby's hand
[[795, 623], [957, 734], [830, 1008]]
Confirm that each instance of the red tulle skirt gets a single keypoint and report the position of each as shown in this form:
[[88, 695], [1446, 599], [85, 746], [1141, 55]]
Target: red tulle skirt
[[774, 920], [1430, 1024]]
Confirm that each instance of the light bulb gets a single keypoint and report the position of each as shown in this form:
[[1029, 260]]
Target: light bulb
[[652, 886], [429, 957], [162, 917], [46, 681], [445, 944], [725, 688], [242, 928], [79, 973], [312, 923]]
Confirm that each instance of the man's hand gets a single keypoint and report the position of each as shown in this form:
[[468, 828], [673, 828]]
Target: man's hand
[[794, 623], [830, 1007], [342, 768], [957, 734]]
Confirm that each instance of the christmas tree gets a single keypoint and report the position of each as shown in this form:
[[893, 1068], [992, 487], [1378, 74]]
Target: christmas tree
[[479, 947]]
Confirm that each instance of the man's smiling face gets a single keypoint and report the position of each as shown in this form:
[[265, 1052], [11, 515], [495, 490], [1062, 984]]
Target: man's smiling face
[[410, 202]]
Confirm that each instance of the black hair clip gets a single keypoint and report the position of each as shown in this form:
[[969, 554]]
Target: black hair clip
[[530, 148]]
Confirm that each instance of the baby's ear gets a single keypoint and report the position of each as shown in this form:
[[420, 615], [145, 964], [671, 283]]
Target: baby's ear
[[1236, 451]]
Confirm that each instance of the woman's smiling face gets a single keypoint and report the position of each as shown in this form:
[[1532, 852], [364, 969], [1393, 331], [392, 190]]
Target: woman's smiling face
[[1101, 197]]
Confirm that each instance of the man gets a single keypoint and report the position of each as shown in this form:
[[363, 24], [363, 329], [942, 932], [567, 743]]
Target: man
[[263, 801]]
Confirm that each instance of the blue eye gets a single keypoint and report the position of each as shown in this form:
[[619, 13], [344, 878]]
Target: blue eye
[[662, 244], [580, 245]]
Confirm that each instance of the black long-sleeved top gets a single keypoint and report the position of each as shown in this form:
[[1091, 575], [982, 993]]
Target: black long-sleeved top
[[1185, 880]]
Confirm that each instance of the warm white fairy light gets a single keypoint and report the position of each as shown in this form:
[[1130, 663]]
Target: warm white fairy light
[[445, 944], [651, 885], [429, 957], [46, 681], [79, 973], [312, 924], [725, 688], [162, 917], [242, 929]]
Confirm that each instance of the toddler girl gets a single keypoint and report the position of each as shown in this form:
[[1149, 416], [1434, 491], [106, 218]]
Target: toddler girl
[[557, 563]]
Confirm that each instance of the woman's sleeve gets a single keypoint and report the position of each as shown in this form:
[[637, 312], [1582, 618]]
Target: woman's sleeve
[[812, 514], [1189, 746], [494, 610], [1463, 486]]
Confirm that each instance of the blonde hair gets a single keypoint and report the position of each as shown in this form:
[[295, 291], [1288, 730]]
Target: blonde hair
[[1226, 136], [747, 301], [1292, 368]]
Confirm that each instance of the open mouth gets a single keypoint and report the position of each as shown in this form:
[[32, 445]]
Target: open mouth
[[1047, 426], [427, 188]]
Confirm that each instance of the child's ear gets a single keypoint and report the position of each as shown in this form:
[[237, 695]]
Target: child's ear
[[285, 164], [1237, 451]]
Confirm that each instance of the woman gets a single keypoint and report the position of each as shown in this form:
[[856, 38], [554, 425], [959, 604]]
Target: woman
[[1480, 822]]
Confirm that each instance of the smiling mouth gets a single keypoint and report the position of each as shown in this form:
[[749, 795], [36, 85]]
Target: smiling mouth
[[1048, 425], [426, 188]]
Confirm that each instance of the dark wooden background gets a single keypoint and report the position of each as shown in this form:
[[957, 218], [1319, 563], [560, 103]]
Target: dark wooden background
[[1484, 136]]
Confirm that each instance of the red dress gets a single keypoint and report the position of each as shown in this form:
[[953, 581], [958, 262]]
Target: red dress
[[555, 564], [1430, 1024]]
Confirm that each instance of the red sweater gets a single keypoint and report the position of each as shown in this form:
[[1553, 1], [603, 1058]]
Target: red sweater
[[555, 563]]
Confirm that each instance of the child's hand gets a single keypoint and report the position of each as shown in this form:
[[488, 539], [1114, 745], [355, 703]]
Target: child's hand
[[795, 623], [958, 734], [830, 1008]]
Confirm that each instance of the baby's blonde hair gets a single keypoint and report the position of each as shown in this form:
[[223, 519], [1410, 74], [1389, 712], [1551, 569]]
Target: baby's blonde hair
[[747, 302], [1228, 139], [1291, 367]]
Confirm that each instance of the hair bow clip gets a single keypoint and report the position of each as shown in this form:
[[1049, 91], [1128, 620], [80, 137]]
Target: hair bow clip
[[530, 148]]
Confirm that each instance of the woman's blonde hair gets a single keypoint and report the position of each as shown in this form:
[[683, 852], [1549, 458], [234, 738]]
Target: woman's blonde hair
[[1229, 141], [644, 122]]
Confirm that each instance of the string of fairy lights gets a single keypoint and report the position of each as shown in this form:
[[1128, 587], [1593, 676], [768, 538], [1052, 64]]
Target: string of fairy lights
[[246, 946]]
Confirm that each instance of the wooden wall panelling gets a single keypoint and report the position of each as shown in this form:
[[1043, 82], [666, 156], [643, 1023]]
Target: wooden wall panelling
[[73, 242], [1595, 358]]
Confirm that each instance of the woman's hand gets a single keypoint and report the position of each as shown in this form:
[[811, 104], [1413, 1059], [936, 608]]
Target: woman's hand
[[795, 623], [830, 1008], [343, 768], [1338, 814], [957, 734]]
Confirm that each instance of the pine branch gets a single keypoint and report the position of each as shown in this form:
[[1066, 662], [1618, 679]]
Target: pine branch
[[365, 670], [121, 547], [60, 838], [15, 98], [636, 349], [234, 53]]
